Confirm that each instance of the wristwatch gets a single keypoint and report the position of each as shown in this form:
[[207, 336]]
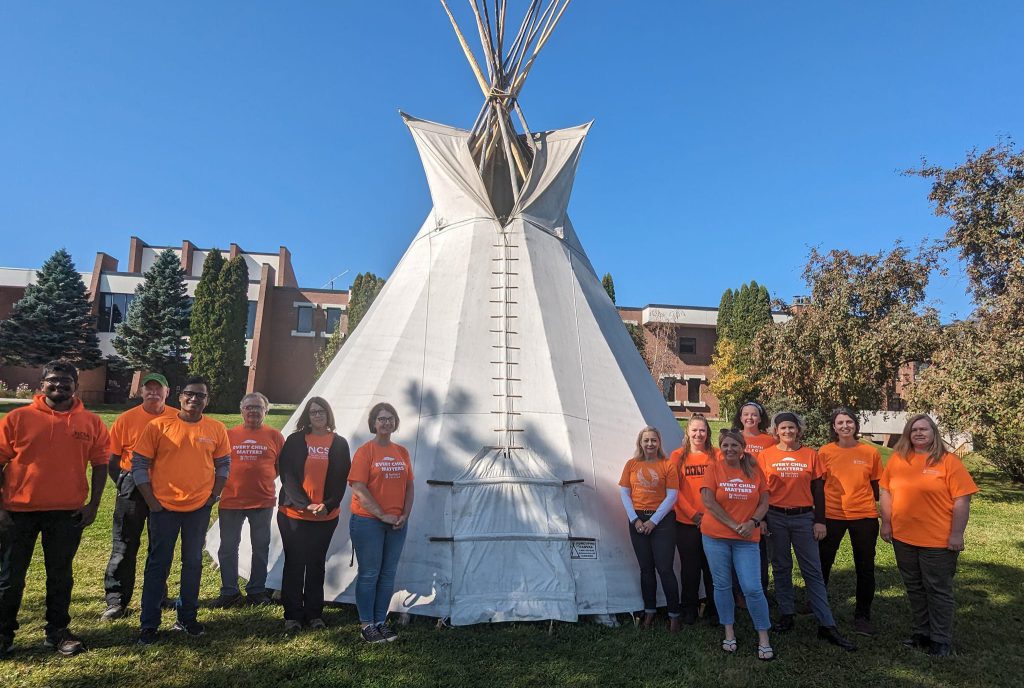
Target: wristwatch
[[757, 523]]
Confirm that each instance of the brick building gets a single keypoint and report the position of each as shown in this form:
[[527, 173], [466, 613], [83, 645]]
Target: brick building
[[287, 323]]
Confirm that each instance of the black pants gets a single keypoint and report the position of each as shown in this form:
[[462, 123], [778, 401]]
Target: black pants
[[130, 515], [692, 563], [863, 536], [656, 552], [927, 573], [61, 536], [305, 561]]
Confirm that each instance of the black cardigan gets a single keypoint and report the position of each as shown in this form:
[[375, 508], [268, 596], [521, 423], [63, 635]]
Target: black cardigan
[[291, 466]]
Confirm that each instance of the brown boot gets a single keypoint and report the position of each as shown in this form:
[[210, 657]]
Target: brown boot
[[674, 624], [649, 620]]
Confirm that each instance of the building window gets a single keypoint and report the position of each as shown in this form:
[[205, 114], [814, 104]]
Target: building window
[[304, 319], [333, 319], [113, 310], [693, 390], [250, 321], [687, 345], [668, 388]]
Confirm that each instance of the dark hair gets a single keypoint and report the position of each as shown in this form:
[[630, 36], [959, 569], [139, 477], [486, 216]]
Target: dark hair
[[304, 425], [699, 417], [747, 462], [842, 411], [61, 365], [377, 408], [196, 380], [762, 424]]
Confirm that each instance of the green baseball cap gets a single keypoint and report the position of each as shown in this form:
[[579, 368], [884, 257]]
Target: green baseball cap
[[155, 377]]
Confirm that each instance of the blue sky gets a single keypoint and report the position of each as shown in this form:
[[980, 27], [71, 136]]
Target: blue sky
[[729, 137]]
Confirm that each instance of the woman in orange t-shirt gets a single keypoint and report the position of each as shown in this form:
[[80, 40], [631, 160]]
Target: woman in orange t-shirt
[[691, 460], [735, 498], [313, 466], [382, 496], [648, 488], [925, 502], [796, 523], [752, 420], [852, 471]]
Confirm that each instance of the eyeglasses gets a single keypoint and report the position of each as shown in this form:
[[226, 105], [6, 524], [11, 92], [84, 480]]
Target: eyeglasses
[[317, 412], [253, 408], [385, 419], [188, 394], [59, 380]]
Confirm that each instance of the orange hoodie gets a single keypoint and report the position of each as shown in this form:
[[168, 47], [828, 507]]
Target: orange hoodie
[[43, 454]]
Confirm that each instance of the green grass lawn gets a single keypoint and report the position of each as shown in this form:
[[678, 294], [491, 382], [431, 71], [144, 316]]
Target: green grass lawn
[[246, 647]]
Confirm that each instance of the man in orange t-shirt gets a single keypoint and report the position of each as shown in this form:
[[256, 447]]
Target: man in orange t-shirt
[[44, 449], [180, 465], [130, 510], [249, 495]]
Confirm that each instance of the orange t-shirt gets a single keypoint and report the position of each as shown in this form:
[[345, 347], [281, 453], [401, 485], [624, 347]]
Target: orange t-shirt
[[314, 477], [649, 482], [848, 475], [254, 453], [44, 453], [127, 429], [737, 494], [789, 475], [386, 470], [181, 457], [691, 479], [758, 443], [923, 495]]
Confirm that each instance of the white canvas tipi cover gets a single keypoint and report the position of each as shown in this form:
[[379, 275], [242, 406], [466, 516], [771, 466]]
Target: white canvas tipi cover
[[520, 394]]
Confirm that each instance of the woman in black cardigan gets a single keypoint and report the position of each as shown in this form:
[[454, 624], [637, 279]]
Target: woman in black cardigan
[[313, 466]]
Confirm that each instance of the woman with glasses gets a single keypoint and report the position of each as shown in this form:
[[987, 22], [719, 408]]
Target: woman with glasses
[[314, 466], [382, 496]]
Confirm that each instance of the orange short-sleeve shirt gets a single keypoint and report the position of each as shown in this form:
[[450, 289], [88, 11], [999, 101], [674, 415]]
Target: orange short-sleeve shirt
[[314, 478], [789, 475], [848, 475], [254, 453], [923, 495], [181, 458], [127, 429], [649, 482], [738, 494], [758, 443], [386, 470], [691, 479]]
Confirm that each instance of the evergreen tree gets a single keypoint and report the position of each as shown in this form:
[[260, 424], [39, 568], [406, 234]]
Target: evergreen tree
[[636, 333], [609, 285], [363, 291], [52, 320], [725, 308], [330, 348], [205, 341], [154, 335], [742, 314], [233, 309]]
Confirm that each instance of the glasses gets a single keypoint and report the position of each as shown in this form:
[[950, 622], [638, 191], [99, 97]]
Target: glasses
[[59, 380], [194, 395], [317, 412], [385, 419], [253, 408]]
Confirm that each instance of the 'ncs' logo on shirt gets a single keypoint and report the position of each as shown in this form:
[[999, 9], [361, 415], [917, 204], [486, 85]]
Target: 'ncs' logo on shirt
[[81, 435]]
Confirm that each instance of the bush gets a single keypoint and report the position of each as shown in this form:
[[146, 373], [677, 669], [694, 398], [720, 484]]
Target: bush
[[5, 391], [23, 391]]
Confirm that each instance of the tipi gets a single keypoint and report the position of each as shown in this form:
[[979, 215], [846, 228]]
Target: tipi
[[519, 390]]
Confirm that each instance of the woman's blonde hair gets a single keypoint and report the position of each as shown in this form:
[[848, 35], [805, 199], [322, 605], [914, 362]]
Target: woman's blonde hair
[[905, 448], [638, 453]]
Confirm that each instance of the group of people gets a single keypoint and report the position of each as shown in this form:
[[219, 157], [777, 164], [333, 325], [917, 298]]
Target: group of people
[[760, 497], [170, 466]]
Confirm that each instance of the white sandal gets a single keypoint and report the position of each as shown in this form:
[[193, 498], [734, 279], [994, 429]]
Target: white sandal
[[765, 653], [729, 645]]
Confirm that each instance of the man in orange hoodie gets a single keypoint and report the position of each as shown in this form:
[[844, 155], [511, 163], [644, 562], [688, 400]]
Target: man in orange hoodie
[[44, 450]]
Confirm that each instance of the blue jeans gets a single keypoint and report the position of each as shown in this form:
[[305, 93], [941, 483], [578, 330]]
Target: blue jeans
[[378, 548], [164, 527], [742, 556], [231, 521], [796, 531]]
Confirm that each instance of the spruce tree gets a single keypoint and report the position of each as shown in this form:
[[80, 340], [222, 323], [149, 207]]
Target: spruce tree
[[363, 291], [233, 310], [609, 285], [154, 335], [205, 341], [54, 319]]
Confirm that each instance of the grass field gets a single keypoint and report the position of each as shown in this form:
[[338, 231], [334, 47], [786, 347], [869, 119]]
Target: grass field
[[246, 647]]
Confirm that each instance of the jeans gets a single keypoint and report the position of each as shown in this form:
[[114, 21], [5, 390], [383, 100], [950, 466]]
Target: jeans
[[378, 548], [656, 552], [305, 562], [164, 527], [726, 555], [796, 532], [693, 563], [61, 536], [927, 573], [231, 521], [863, 536], [130, 515]]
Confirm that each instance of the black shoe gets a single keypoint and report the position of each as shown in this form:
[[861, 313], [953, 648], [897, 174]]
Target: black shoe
[[862, 626], [689, 617], [148, 636], [386, 633], [832, 635], [225, 601], [260, 599], [940, 650], [113, 611], [6, 643], [193, 628], [168, 604], [371, 634], [918, 641], [784, 624], [65, 642]]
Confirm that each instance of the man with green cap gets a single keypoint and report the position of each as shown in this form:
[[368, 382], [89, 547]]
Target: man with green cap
[[130, 509]]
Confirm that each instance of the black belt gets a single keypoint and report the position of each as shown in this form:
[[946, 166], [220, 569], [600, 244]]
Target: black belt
[[795, 511], [641, 512]]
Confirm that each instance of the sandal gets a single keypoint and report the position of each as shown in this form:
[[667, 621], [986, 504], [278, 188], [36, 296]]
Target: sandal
[[729, 645], [765, 653]]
